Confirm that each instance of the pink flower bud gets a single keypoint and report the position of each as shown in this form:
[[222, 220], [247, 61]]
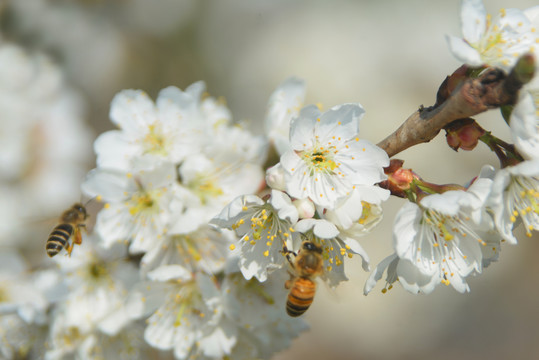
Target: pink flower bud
[[463, 134]]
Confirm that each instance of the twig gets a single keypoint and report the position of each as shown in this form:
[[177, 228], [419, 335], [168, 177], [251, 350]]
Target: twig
[[493, 88]]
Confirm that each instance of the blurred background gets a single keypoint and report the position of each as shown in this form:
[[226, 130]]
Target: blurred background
[[390, 56]]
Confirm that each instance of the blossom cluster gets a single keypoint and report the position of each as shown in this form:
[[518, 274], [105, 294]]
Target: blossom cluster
[[200, 221], [445, 235]]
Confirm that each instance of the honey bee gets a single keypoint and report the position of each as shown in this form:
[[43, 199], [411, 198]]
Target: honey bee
[[71, 222], [307, 264]]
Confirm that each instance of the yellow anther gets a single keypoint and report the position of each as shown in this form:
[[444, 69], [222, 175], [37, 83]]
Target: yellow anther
[[266, 253], [232, 246]]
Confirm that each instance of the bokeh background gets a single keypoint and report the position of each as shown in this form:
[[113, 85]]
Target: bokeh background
[[390, 56]]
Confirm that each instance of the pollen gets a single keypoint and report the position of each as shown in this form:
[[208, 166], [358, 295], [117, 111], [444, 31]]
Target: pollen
[[232, 246], [266, 253]]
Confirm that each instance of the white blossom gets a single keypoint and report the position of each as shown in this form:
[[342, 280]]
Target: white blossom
[[263, 227], [443, 239], [327, 158], [98, 281], [494, 42], [138, 205], [150, 133], [258, 311]]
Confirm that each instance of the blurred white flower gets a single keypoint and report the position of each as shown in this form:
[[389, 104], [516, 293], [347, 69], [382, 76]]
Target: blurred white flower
[[205, 249], [186, 309], [258, 311], [228, 166], [44, 142], [98, 280], [328, 159], [167, 131], [92, 48], [138, 205], [497, 42], [284, 104]]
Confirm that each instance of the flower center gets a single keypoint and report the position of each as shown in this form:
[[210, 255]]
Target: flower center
[[144, 202], [320, 159], [187, 298], [155, 141], [205, 188]]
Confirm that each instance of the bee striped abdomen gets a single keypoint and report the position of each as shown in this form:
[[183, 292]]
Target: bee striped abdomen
[[58, 238], [300, 297]]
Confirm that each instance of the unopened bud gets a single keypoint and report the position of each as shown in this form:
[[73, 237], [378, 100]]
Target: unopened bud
[[398, 179], [275, 177], [305, 208], [463, 134]]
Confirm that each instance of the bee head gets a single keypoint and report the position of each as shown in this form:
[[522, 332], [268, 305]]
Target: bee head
[[310, 246], [80, 209]]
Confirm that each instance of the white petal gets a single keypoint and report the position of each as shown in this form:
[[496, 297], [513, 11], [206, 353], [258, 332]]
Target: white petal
[[473, 17], [463, 51], [525, 127], [321, 228], [282, 203], [132, 110], [356, 248], [405, 230], [414, 280], [377, 273], [302, 128], [170, 272]]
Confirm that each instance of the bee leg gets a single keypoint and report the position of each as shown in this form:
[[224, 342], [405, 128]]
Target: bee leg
[[288, 284], [287, 253], [77, 239], [69, 249]]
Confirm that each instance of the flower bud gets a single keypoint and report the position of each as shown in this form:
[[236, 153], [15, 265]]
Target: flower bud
[[398, 179], [275, 177], [463, 134], [305, 208]]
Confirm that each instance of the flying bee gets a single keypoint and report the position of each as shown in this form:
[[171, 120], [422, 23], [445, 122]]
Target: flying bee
[[71, 222], [307, 265]]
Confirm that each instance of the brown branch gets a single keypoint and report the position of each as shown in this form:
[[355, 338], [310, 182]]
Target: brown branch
[[473, 96]]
